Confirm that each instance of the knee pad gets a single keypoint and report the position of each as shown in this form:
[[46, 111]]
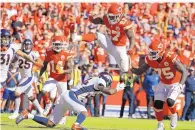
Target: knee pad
[[170, 102], [158, 104]]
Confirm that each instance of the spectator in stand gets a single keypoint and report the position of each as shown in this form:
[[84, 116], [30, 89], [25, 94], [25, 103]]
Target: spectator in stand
[[11, 83], [189, 95], [151, 79]]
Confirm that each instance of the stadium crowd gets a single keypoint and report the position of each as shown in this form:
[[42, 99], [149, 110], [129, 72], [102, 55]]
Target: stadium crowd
[[174, 23]]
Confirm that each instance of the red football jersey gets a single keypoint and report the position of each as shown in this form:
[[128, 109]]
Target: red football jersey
[[166, 69], [116, 31], [57, 63]]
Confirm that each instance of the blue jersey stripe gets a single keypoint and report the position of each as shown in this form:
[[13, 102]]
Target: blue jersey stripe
[[85, 89], [25, 82], [50, 81], [72, 96]]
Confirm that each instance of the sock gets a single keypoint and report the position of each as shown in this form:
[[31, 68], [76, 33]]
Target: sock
[[38, 106], [17, 104], [89, 37], [46, 98], [80, 118], [159, 115], [41, 120], [161, 122], [173, 109], [30, 116]]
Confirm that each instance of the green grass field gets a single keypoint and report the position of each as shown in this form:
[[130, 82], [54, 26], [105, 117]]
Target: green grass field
[[92, 123]]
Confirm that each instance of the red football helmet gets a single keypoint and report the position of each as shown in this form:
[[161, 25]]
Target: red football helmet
[[115, 13], [156, 49], [59, 43]]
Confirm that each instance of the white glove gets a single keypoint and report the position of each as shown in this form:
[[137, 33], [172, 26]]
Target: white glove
[[120, 86], [76, 38], [70, 83], [181, 88]]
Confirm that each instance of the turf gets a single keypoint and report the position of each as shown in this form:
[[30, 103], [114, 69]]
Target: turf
[[93, 123]]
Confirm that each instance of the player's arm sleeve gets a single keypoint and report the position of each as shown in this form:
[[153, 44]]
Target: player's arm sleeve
[[43, 68], [97, 20], [108, 91], [182, 69], [141, 70], [45, 63]]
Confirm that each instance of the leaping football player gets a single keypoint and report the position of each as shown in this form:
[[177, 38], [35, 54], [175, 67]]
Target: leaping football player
[[114, 42]]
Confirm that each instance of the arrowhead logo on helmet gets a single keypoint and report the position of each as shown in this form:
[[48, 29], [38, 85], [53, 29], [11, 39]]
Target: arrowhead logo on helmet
[[115, 13], [59, 43], [156, 49]]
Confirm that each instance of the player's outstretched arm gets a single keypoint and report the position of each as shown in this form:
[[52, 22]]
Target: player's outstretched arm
[[182, 69], [22, 54], [111, 91], [85, 37], [141, 70]]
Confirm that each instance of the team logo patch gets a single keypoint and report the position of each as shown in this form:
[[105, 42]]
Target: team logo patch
[[166, 63], [62, 57]]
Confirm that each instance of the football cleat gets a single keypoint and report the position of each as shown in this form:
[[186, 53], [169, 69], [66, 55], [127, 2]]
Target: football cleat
[[62, 121], [173, 121], [13, 116], [77, 127], [22, 116], [160, 126]]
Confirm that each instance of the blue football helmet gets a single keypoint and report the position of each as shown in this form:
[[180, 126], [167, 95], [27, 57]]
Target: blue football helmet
[[5, 37], [106, 77], [27, 46]]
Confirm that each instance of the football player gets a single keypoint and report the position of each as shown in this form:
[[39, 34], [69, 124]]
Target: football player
[[25, 84], [58, 59], [172, 75], [71, 100], [119, 29], [7, 54]]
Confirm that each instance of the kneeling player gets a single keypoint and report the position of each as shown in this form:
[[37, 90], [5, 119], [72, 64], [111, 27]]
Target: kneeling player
[[71, 100]]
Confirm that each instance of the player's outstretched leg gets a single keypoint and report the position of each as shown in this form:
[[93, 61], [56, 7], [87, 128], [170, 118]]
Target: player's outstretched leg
[[80, 118], [41, 120], [22, 116]]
